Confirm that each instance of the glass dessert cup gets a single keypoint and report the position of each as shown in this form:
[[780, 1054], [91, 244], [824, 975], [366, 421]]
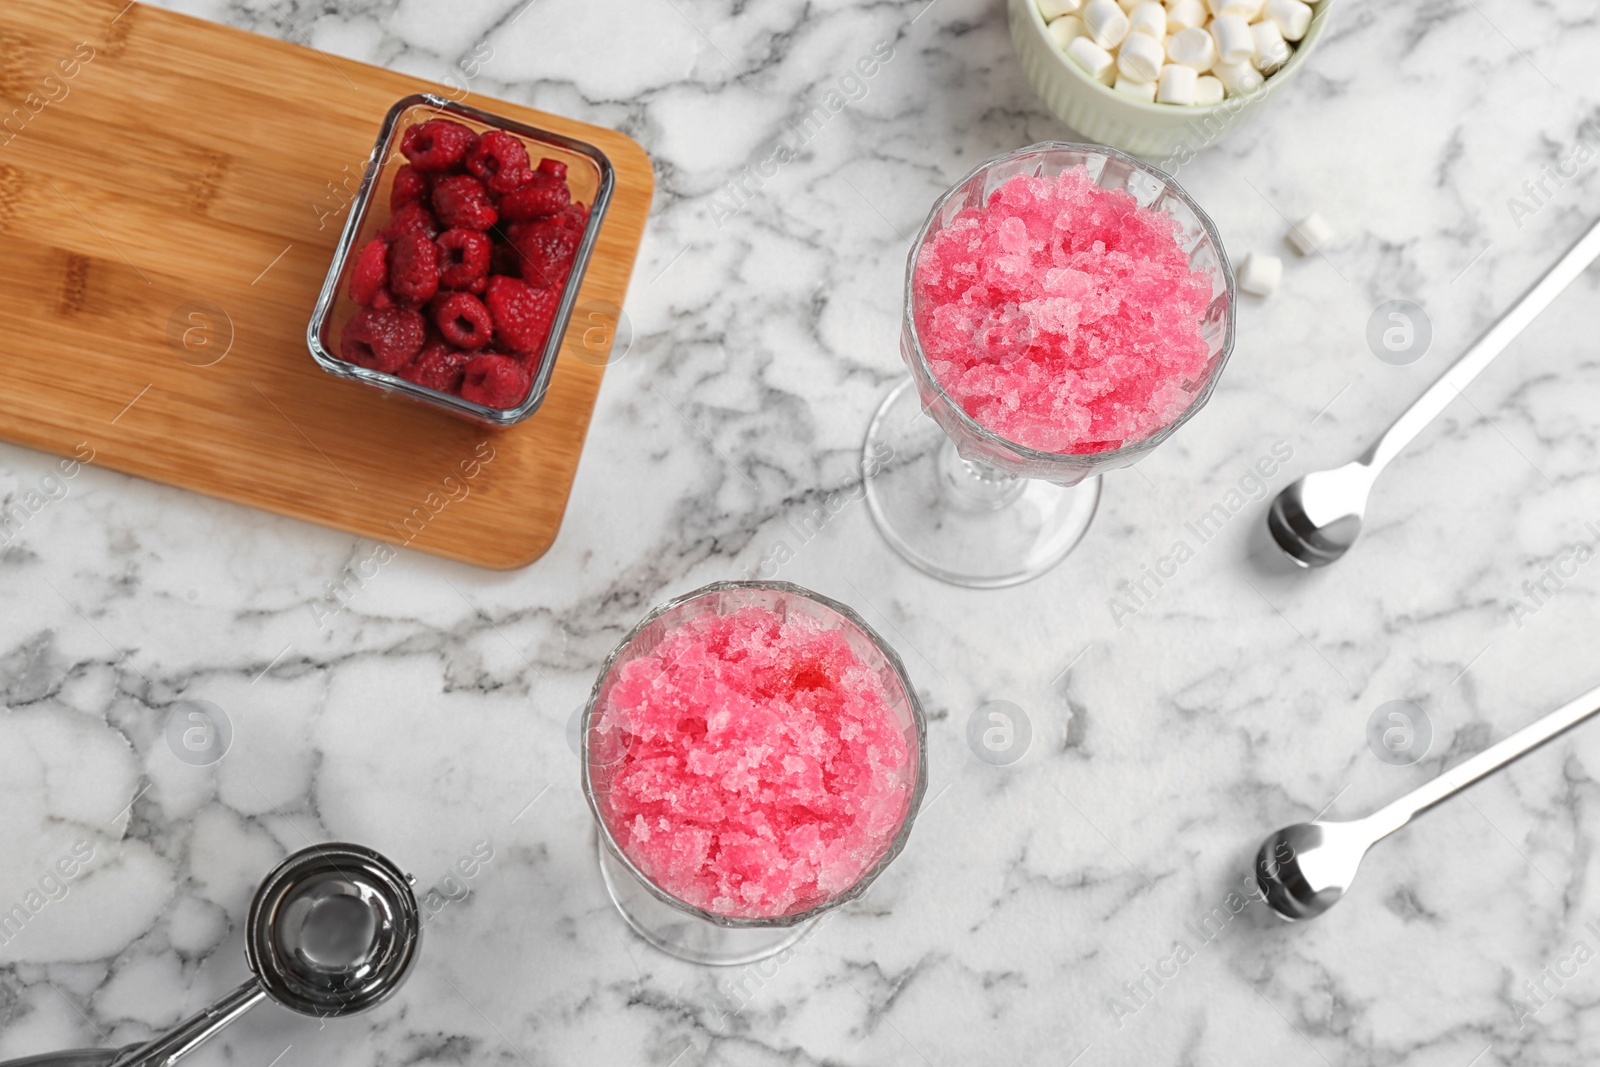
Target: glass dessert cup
[[958, 500], [671, 924]]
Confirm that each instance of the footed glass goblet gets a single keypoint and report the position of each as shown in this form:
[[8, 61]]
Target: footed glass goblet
[[689, 930], [960, 501]]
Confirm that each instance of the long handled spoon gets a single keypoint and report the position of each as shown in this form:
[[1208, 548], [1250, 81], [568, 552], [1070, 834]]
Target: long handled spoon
[[1316, 519], [1304, 869], [332, 931]]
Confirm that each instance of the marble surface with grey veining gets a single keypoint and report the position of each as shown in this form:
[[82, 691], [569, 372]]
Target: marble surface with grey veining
[[1036, 916]]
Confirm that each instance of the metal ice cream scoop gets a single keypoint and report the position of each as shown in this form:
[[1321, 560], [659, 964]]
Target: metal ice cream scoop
[[333, 930]]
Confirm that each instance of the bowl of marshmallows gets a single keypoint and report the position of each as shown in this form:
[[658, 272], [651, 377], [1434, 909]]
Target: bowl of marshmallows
[[1161, 79]]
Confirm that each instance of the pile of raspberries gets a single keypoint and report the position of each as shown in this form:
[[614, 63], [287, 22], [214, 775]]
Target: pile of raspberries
[[458, 291]]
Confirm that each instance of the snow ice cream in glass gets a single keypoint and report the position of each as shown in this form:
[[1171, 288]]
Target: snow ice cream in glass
[[754, 756], [1067, 308]]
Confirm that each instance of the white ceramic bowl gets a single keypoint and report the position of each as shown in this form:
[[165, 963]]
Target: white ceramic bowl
[[1166, 133]]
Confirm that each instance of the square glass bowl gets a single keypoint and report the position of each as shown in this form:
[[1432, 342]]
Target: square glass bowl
[[589, 177]]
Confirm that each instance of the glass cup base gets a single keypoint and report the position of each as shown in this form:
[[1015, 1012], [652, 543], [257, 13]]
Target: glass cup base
[[963, 522], [684, 936]]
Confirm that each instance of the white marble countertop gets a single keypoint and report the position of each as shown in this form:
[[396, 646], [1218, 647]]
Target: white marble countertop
[[431, 714]]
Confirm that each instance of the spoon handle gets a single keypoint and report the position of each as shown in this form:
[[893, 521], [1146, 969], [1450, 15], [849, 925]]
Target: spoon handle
[[1391, 817], [1492, 342], [188, 1035]]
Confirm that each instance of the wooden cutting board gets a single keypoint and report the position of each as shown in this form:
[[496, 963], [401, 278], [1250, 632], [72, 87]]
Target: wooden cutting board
[[171, 190]]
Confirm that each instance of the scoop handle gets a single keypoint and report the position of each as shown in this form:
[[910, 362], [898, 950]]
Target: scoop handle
[[1492, 342], [72, 1057], [194, 1031], [1396, 814]]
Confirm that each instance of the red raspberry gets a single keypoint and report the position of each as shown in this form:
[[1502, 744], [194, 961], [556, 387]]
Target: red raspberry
[[541, 196], [382, 339], [410, 186], [437, 145], [500, 161], [496, 382], [414, 268], [465, 260], [463, 203], [505, 259], [547, 248], [463, 320], [522, 313], [577, 216], [553, 167], [437, 366], [370, 273], [412, 218]]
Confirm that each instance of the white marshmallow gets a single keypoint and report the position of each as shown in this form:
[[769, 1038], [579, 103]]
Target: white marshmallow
[[1208, 91], [1293, 17], [1245, 9], [1145, 91], [1239, 79], [1193, 47], [1129, 5], [1232, 35], [1260, 274], [1106, 22], [1186, 14], [1176, 85], [1272, 51], [1149, 18], [1309, 234], [1064, 29], [1140, 57], [1096, 61], [1054, 9]]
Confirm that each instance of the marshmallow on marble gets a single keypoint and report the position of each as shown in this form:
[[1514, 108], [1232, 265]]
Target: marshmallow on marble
[[1193, 48], [1272, 51], [1054, 9], [1186, 15], [1309, 234], [1232, 36], [1106, 22], [1176, 84], [1096, 61], [1064, 29], [1140, 57], [1239, 79], [1149, 18], [1292, 17], [1207, 91], [1145, 91], [1260, 274]]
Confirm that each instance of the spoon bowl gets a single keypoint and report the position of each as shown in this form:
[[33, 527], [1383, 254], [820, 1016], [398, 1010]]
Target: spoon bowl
[[1305, 869], [1316, 519]]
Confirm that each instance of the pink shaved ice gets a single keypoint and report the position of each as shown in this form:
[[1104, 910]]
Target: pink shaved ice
[[764, 769], [1063, 316]]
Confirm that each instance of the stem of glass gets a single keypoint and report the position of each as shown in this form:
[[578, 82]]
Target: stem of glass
[[974, 486]]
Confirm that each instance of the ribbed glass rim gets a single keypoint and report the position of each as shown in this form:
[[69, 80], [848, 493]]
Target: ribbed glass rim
[[913, 804], [908, 315]]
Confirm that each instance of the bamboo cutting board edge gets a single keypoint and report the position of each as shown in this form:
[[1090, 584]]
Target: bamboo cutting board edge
[[515, 510]]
